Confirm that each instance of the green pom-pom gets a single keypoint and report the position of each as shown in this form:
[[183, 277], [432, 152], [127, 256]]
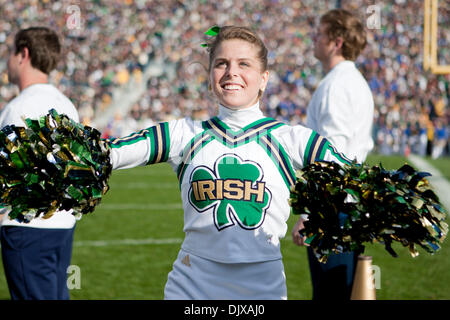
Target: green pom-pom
[[52, 164], [351, 206]]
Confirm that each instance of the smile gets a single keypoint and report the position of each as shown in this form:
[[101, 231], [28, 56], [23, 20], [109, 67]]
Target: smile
[[231, 87]]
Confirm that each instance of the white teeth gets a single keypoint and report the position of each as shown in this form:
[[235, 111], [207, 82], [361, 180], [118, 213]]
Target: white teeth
[[231, 87]]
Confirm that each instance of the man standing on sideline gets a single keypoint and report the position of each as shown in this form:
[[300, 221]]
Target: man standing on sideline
[[341, 109], [36, 255]]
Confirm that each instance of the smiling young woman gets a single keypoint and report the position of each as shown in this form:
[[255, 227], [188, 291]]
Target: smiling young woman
[[238, 67], [236, 74]]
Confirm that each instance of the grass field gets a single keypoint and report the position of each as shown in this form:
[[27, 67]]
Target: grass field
[[125, 249]]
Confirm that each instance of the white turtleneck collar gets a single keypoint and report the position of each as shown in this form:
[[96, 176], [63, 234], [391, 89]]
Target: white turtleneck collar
[[237, 119]]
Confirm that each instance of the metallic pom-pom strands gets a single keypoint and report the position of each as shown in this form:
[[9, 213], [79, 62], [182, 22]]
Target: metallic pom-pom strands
[[357, 204], [52, 164]]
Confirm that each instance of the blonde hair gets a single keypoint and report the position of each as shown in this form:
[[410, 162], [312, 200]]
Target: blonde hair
[[242, 33]]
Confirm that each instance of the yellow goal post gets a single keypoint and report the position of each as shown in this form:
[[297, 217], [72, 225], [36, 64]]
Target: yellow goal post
[[430, 39]]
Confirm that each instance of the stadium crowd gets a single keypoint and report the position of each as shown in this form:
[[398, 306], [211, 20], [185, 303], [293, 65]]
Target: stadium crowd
[[113, 41]]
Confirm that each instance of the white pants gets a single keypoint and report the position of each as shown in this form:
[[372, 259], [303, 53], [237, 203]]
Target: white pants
[[195, 278]]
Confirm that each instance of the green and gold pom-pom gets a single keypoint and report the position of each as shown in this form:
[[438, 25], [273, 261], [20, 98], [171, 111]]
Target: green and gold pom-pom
[[52, 164], [351, 206]]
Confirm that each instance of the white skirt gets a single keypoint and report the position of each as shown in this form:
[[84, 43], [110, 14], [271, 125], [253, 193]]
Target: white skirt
[[195, 278]]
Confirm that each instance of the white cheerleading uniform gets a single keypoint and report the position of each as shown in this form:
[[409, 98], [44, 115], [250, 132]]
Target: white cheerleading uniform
[[34, 102], [235, 172]]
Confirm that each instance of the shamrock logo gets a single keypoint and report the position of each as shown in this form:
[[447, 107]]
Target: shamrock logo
[[233, 189]]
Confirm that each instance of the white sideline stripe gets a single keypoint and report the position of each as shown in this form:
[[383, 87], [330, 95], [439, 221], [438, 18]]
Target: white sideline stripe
[[136, 206], [131, 242], [147, 173], [144, 185], [126, 242], [439, 183]]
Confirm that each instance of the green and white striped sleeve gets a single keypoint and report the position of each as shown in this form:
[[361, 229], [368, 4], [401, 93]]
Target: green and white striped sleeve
[[305, 146], [148, 146], [319, 148]]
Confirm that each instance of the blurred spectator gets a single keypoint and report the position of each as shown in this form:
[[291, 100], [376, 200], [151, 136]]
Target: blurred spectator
[[441, 134]]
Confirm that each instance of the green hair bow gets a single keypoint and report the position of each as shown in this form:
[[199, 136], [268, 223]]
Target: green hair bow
[[213, 31]]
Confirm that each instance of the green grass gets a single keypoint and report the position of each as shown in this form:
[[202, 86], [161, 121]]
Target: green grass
[[144, 203]]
